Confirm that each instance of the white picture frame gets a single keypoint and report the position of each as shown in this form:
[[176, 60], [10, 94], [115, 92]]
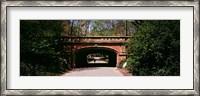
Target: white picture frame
[[99, 90]]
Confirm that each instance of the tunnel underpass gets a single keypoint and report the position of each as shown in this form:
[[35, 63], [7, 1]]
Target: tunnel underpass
[[109, 57]]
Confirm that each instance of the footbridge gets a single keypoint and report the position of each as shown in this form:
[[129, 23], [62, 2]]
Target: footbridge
[[81, 46]]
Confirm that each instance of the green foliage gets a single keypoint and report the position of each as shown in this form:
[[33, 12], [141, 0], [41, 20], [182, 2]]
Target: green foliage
[[40, 48], [101, 27], [155, 49], [102, 33]]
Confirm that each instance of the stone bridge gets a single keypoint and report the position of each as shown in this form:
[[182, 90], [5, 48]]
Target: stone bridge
[[113, 46]]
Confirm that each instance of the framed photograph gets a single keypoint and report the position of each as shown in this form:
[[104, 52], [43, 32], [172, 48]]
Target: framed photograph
[[99, 48]]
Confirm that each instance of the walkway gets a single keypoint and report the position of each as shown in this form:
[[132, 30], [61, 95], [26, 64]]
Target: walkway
[[97, 61], [94, 71]]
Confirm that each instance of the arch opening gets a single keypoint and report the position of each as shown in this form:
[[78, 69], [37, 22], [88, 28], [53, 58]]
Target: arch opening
[[95, 57]]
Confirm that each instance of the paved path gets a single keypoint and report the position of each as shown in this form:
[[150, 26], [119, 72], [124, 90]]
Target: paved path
[[94, 71], [98, 61]]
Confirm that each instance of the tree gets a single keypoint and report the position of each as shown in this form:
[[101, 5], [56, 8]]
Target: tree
[[108, 28], [40, 47], [83, 24], [155, 48], [119, 27], [66, 27]]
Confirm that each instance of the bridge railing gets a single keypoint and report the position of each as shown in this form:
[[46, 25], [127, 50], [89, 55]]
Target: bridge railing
[[95, 39]]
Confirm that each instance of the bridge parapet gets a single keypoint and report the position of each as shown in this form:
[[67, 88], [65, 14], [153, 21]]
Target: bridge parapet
[[75, 40]]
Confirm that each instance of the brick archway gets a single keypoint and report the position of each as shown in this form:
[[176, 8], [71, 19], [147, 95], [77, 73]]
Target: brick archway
[[115, 43], [81, 53]]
